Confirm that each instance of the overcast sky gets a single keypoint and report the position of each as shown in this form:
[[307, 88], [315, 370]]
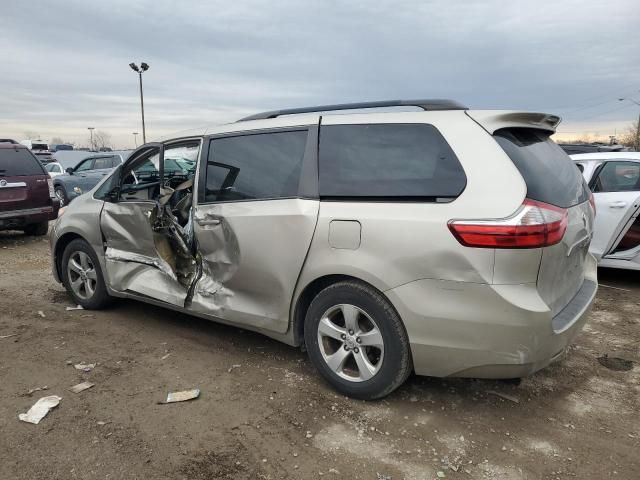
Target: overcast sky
[[65, 68]]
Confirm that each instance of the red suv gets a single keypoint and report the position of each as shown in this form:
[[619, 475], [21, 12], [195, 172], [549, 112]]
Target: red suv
[[27, 199]]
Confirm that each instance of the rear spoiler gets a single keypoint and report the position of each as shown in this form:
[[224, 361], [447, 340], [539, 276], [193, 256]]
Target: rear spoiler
[[492, 120]]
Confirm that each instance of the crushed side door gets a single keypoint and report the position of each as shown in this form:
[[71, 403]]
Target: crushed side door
[[253, 245], [146, 230]]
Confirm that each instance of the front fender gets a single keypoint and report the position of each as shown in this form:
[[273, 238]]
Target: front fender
[[80, 219]]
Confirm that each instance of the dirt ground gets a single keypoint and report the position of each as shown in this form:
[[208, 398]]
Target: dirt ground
[[264, 414]]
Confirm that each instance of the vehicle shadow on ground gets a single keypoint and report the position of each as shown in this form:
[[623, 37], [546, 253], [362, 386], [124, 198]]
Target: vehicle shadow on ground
[[463, 391]]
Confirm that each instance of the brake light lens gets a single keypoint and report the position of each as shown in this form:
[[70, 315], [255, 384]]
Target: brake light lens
[[52, 192], [592, 202], [534, 225]]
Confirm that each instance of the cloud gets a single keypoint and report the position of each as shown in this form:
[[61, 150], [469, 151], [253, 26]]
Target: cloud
[[65, 67]]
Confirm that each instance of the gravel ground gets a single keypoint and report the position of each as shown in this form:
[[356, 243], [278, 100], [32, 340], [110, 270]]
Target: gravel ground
[[264, 414]]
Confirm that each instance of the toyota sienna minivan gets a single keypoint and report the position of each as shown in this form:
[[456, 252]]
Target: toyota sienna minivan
[[442, 241]]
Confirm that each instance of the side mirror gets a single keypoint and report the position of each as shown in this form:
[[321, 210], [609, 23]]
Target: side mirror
[[69, 170]]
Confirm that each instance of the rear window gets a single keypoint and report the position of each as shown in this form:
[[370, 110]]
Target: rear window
[[18, 162], [551, 176], [401, 161], [39, 146]]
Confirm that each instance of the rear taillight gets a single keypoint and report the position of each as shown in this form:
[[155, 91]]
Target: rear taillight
[[592, 202], [535, 224], [52, 192]]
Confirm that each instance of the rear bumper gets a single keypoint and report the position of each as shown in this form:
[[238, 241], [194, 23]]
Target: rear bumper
[[16, 219], [487, 331]]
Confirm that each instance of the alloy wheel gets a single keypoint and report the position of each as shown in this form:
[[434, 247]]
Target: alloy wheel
[[350, 342], [82, 275], [60, 194]]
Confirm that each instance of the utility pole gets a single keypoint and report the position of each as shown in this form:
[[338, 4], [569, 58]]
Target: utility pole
[[140, 70], [91, 129]]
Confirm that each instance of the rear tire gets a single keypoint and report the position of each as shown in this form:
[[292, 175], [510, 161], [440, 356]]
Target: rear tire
[[61, 193], [82, 276], [358, 325], [37, 229]]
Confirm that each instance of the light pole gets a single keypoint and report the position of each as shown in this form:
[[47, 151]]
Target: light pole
[[140, 70], [91, 129], [135, 138], [637, 142]]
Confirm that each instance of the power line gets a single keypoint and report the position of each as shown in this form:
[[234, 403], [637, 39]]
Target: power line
[[625, 89]]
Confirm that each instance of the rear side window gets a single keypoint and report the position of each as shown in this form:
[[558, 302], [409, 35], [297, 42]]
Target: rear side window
[[255, 167], [19, 162], [551, 176], [106, 162], [402, 161]]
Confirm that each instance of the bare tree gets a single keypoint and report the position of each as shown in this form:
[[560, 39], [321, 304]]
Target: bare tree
[[631, 137], [59, 141], [101, 139], [31, 135]]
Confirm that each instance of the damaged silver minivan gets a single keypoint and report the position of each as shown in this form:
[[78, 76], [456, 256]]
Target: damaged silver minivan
[[443, 241]]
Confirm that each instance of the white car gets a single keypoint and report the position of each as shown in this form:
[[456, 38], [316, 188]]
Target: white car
[[614, 179], [54, 169]]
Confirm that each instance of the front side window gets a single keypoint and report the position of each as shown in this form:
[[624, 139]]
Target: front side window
[[85, 165], [617, 176], [254, 167], [402, 161]]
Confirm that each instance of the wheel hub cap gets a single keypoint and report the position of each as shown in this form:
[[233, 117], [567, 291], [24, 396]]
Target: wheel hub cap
[[350, 343]]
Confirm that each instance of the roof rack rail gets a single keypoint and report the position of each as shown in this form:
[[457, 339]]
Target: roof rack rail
[[433, 104]]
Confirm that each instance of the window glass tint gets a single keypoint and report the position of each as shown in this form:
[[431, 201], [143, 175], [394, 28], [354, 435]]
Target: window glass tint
[[17, 162], [550, 175], [392, 160], [106, 162], [256, 166], [85, 165], [618, 177]]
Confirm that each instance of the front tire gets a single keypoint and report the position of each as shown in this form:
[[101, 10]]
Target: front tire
[[357, 341], [82, 276]]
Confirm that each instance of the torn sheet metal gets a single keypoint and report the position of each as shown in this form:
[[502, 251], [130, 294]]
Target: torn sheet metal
[[40, 409], [126, 227], [148, 251], [156, 262]]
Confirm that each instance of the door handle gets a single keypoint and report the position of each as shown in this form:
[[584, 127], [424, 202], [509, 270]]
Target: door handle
[[208, 221], [618, 204]]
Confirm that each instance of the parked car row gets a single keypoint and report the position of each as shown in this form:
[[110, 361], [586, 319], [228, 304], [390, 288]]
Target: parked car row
[[73, 180]]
